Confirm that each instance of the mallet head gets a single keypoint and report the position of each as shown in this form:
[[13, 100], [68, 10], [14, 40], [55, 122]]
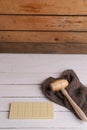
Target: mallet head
[[59, 84]]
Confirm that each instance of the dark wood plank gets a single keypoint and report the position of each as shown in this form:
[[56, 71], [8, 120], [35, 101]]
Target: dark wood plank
[[51, 23], [69, 7], [68, 48], [46, 37]]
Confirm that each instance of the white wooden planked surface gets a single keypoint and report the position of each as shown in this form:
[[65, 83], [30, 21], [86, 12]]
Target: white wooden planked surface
[[21, 76]]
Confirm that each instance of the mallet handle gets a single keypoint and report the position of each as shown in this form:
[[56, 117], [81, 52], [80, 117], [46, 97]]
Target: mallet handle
[[78, 110]]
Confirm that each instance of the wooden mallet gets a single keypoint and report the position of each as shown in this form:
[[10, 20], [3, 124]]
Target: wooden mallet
[[60, 85]]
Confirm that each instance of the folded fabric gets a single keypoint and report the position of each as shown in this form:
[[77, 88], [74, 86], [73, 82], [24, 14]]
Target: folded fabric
[[76, 90]]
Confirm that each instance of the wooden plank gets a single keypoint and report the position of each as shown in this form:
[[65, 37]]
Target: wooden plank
[[5, 103], [26, 78], [62, 120], [50, 37], [43, 63], [54, 48], [21, 91], [50, 129], [71, 7], [51, 23], [23, 78]]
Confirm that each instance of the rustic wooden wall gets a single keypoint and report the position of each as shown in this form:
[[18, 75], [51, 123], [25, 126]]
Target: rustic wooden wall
[[43, 26]]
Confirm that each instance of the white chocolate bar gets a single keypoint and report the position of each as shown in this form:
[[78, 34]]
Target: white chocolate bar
[[31, 110]]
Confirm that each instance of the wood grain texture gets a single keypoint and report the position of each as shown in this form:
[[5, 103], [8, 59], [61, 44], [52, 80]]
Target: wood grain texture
[[63, 48], [49, 23], [58, 7], [46, 37], [43, 26]]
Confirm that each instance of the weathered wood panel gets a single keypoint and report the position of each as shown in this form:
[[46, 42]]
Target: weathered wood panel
[[43, 26], [51, 23], [65, 48], [58, 7], [46, 37]]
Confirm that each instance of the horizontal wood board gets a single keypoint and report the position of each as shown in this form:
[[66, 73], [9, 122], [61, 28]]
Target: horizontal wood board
[[43, 26], [54, 7]]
